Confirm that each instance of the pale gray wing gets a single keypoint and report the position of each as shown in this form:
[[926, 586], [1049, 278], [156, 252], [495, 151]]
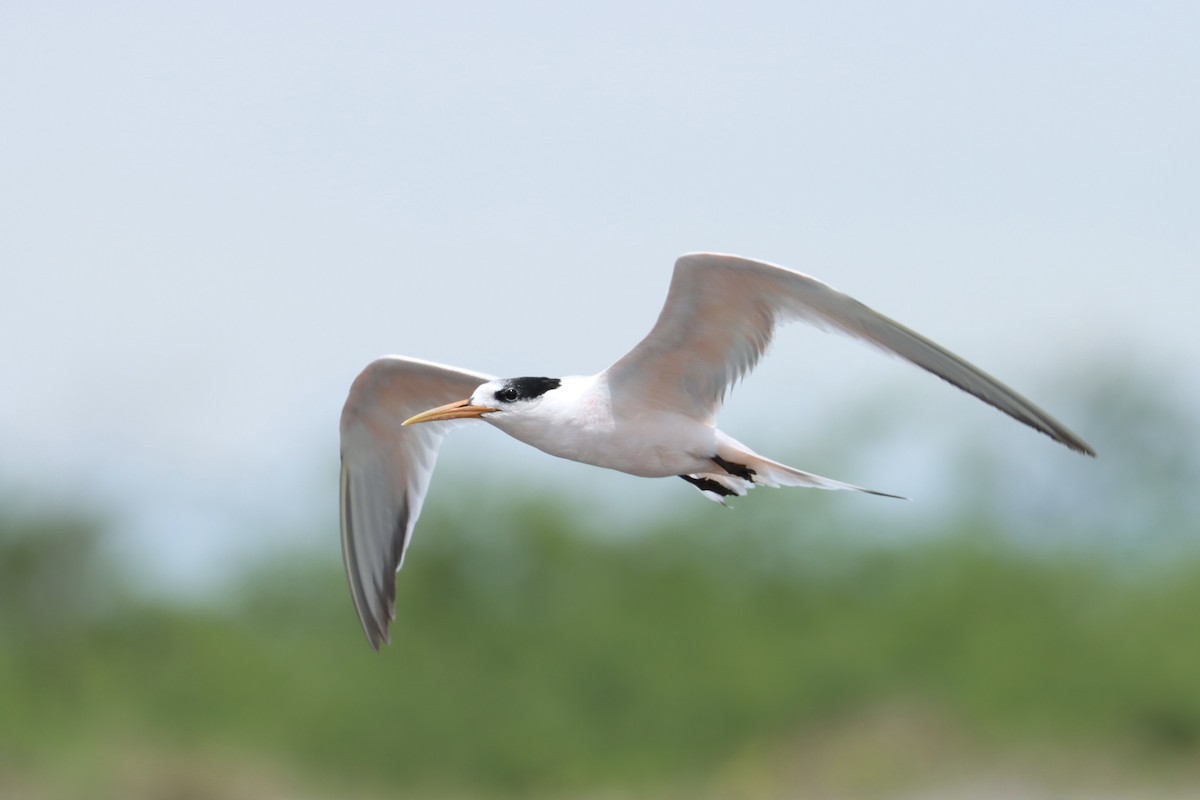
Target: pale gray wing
[[720, 314], [385, 473]]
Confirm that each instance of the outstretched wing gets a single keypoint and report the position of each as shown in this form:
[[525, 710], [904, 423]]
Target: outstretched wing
[[721, 313], [386, 471]]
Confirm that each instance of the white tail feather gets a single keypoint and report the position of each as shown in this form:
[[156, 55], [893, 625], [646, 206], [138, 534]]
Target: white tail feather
[[763, 472]]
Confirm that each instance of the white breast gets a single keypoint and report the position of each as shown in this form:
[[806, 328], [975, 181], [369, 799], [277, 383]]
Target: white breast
[[576, 421]]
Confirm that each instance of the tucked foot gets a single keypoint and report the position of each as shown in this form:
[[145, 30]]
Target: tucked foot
[[709, 485], [739, 470]]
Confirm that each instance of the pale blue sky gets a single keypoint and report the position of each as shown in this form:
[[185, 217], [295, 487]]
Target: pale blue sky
[[214, 214]]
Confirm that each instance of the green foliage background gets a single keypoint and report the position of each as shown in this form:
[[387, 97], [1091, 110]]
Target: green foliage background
[[538, 652]]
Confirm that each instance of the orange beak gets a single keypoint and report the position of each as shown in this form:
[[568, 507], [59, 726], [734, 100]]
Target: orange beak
[[461, 409]]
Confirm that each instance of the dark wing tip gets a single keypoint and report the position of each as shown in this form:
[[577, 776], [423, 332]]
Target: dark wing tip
[[1080, 446], [374, 624], [377, 637], [376, 617], [372, 616], [1055, 430]]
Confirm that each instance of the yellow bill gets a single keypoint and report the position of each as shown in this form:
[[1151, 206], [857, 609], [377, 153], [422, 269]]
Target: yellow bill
[[460, 409]]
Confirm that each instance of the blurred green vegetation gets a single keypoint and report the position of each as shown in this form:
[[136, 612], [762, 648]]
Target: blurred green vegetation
[[532, 657], [538, 652]]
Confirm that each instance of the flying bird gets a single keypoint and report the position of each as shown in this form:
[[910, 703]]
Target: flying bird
[[650, 414]]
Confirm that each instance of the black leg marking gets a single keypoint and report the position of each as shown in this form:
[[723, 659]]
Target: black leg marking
[[737, 470], [708, 485]]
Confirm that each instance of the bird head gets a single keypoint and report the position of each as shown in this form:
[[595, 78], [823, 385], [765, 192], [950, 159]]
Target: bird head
[[501, 396]]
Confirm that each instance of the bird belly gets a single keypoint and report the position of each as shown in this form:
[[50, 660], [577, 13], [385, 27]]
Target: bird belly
[[655, 445]]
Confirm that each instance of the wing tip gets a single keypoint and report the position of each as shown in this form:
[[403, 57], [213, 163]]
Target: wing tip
[[374, 624], [1082, 447], [376, 637], [375, 628], [878, 493], [1059, 433]]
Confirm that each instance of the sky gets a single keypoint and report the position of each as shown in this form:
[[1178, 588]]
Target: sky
[[215, 214]]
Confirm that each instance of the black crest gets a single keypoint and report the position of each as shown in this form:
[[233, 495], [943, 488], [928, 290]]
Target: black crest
[[516, 389]]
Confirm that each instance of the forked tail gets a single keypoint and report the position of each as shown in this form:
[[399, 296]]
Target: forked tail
[[737, 469]]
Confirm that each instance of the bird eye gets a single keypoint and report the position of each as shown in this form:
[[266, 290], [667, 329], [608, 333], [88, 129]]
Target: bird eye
[[508, 395]]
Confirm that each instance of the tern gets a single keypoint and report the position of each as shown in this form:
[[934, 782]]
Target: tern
[[651, 414]]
